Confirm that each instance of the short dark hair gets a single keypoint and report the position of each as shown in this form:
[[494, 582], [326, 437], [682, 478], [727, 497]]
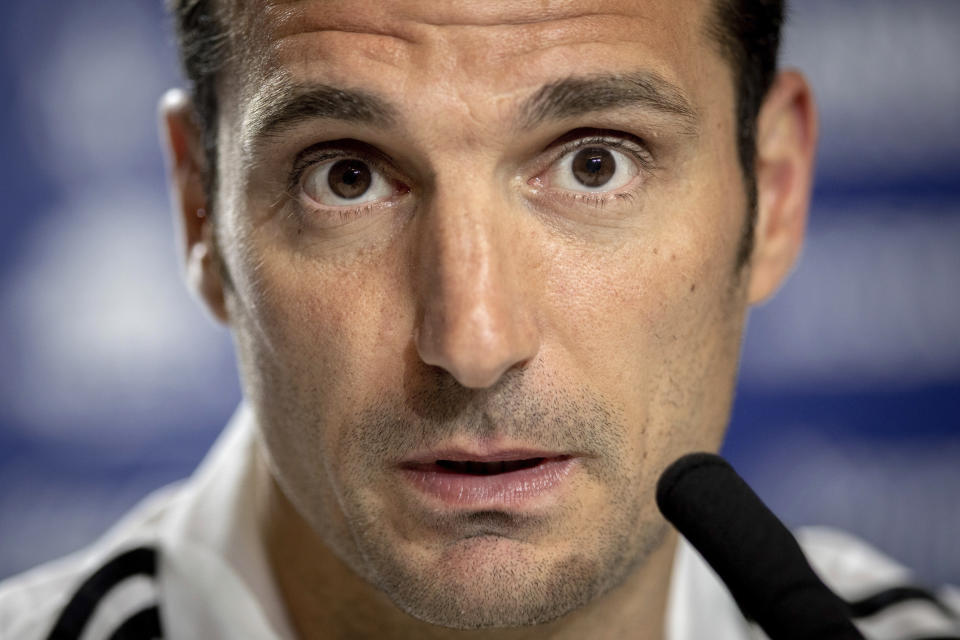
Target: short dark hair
[[747, 32], [203, 45]]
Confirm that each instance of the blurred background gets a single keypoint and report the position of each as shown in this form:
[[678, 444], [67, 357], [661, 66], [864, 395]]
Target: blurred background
[[114, 383]]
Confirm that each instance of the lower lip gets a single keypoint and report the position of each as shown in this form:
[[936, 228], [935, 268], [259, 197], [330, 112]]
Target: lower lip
[[521, 488]]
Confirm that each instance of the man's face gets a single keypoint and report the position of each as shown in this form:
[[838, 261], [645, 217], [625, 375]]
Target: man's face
[[467, 233]]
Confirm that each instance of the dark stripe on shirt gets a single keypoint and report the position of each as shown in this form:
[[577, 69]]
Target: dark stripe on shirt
[[143, 625], [879, 601], [80, 608]]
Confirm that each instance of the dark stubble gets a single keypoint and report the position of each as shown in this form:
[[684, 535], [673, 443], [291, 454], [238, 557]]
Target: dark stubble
[[509, 592]]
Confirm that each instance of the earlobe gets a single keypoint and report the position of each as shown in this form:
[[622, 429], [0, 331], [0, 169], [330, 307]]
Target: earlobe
[[204, 273], [187, 169], [786, 144]]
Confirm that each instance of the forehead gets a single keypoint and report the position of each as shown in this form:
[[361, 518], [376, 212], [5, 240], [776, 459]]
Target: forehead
[[475, 55]]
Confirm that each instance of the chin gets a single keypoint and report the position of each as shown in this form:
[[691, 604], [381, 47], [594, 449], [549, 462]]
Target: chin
[[490, 582], [506, 594]]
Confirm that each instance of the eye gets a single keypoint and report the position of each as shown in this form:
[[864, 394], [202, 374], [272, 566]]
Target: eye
[[593, 168], [345, 182]]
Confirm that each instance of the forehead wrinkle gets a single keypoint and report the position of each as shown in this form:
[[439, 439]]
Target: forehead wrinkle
[[297, 17], [407, 22], [385, 17]]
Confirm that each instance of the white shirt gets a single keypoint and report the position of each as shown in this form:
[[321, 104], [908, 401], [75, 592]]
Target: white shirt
[[212, 579]]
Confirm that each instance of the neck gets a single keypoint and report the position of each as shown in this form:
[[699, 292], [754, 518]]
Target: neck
[[326, 599]]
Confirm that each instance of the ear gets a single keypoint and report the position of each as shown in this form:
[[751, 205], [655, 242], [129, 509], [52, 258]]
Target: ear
[[187, 170], [786, 143]]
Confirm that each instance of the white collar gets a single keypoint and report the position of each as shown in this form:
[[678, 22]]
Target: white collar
[[214, 578]]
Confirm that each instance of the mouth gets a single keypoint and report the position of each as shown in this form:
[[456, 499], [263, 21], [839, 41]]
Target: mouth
[[504, 480], [479, 467]]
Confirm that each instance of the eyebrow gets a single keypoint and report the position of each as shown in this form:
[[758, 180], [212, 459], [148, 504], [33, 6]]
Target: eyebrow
[[580, 95], [287, 105]]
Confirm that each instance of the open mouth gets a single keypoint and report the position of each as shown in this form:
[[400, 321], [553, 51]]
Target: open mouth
[[481, 468], [507, 482], [472, 468]]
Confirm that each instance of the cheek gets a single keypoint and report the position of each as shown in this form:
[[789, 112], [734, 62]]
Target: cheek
[[311, 335], [630, 305], [656, 326]]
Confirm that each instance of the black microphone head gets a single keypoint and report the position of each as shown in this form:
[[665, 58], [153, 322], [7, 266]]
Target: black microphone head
[[751, 550]]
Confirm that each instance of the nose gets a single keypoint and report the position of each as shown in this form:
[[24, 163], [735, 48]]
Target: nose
[[477, 316]]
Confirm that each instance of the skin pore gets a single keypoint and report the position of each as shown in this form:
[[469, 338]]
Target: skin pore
[[476, 294]]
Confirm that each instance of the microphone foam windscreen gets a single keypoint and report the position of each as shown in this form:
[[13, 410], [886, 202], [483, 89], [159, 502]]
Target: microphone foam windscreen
[[751, 550]]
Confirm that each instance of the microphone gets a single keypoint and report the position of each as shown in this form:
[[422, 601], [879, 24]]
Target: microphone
[[754, 554]]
